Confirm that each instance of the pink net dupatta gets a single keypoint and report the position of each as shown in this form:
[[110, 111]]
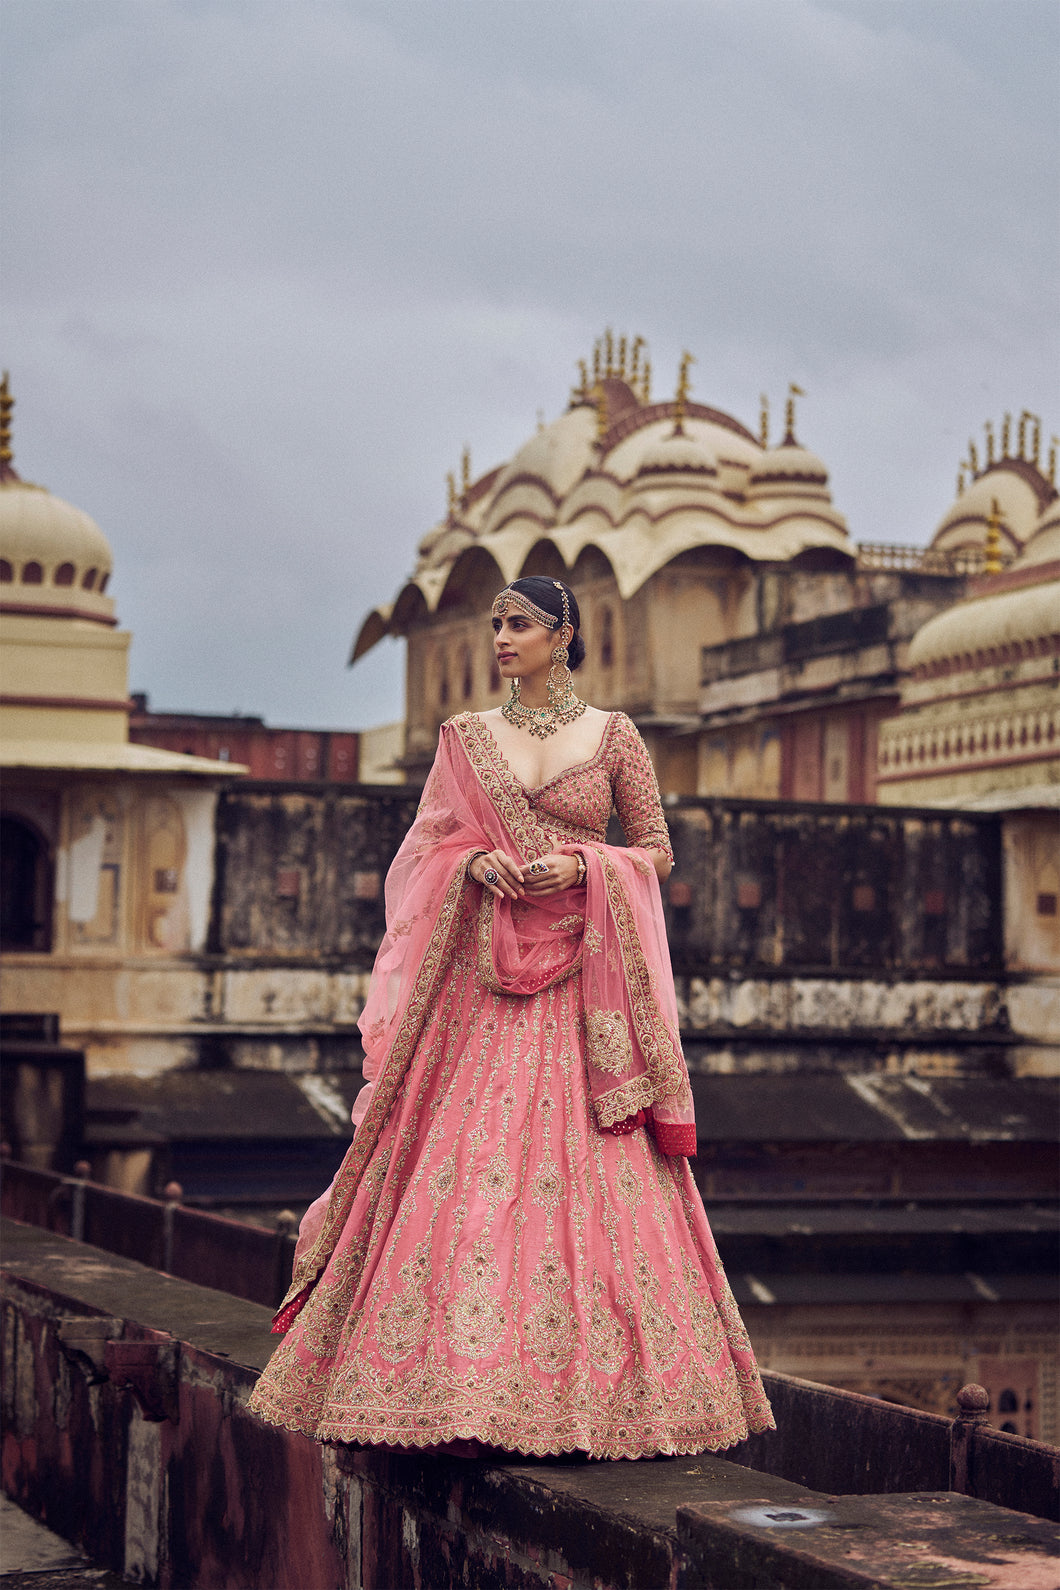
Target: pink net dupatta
[[611, 931]]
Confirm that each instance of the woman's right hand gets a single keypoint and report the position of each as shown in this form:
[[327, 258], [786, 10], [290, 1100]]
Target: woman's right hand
[[509, 878]]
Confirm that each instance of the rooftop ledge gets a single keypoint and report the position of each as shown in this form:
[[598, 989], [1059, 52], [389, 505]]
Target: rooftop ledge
[[126, 1430]]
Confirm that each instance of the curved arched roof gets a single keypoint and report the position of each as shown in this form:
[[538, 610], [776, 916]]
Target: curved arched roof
[[572, 488]]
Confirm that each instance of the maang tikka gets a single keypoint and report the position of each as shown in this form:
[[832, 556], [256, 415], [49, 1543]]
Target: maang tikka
[[563, 704]]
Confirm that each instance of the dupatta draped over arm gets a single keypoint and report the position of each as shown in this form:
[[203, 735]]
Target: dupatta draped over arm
[[610, 932]]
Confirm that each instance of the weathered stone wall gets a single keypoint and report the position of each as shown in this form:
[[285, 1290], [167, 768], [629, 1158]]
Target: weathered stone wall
[[125, 1428], [805, 924]]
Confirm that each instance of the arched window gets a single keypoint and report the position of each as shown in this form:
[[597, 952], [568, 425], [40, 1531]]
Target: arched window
[[443, 682], [7, 573], [607, 637], [103, 581], [467, 680], [88, 579], [64, 574], [1008, 1402], [25, 887], [32, 574]]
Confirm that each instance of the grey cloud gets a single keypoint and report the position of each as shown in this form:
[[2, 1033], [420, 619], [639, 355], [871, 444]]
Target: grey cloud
[[270, 265]]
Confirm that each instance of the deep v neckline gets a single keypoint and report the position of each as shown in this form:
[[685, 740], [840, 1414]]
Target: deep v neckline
[[576, 767]]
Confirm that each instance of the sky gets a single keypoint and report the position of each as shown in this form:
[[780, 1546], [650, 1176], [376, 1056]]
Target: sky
[[269, 265]]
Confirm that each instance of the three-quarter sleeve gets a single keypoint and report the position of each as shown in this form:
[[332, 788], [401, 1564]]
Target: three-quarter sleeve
[[636, 791]]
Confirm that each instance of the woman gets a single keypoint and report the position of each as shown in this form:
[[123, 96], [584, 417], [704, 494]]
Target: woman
[[514, 1252]]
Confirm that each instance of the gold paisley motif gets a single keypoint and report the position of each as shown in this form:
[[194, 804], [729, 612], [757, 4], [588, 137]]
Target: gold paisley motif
[[550, 1330], [628, 1184], [707, 1328], [548, 1188], [660, 1332], [735, 1329], [443, 1182], [607, 1339], [402, 1324], [608, 1045], [496, 1182], [475, 1321]]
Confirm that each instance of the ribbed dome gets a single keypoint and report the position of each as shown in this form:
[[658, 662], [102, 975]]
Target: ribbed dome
[[789, 464], [683, 455], [1044, 544], [964, 522], [53, 557]]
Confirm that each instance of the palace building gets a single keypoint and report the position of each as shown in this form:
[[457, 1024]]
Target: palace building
[[725, 605], [107, 846]]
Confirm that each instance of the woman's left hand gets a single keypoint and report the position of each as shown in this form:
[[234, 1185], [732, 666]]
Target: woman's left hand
[[562, 874]]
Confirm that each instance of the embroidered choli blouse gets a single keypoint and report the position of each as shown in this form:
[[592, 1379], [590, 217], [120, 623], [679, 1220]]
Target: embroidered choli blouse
[[577, 803]]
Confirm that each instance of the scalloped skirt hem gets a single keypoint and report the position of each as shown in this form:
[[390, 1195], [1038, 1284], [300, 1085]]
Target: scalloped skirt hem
[[585, 1444]]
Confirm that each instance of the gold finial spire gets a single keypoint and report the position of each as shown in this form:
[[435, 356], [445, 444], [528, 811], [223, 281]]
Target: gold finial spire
[[601, 411], [645, 383], [583, 378], [622, 358], [1036, 441], [450, 491], [7, 403], [609, 354], [763, 420], [789, 414], [1006, 435], [465, 471], [634, 361], [960, 483], [1054, 443], [973, 458], [992, 546], [989, 429], [681, 395], [596, 361], [1021, 435]]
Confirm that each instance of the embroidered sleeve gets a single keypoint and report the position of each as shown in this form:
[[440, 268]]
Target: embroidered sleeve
[[636, 791]]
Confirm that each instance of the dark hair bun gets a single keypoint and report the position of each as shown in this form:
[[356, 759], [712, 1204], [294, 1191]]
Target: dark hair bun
[[548, 595]]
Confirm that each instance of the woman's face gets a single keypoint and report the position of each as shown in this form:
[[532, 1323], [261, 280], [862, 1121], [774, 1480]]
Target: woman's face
[[521, 645]]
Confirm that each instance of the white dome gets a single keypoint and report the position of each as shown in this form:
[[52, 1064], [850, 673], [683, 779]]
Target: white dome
[[789, 464], [964, 522], [53, 557], [677, 454]]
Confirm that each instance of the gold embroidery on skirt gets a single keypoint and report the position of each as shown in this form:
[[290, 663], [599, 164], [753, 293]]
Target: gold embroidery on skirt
[[475, 1320], [401, 1324], [735, 1329], [707, 1327], [548, 1188], [496, 1182], [550, 1330], [660, 1332], [443, 1182], [607, 1339], [628, 1185]]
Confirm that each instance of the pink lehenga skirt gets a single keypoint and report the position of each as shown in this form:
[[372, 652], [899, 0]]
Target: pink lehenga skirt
[[511, 1274]]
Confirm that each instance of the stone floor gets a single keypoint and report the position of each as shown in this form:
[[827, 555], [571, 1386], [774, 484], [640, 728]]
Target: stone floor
[[32, 1558]]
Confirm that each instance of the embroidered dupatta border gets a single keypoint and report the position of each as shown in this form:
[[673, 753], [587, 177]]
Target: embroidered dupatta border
[[664, 1061], [391, 1077]]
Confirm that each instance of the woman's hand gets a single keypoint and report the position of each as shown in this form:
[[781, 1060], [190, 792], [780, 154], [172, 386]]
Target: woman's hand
[[562, 873], [508, 876]]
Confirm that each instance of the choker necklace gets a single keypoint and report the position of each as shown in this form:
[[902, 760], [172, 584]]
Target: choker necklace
[[563, 704]]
